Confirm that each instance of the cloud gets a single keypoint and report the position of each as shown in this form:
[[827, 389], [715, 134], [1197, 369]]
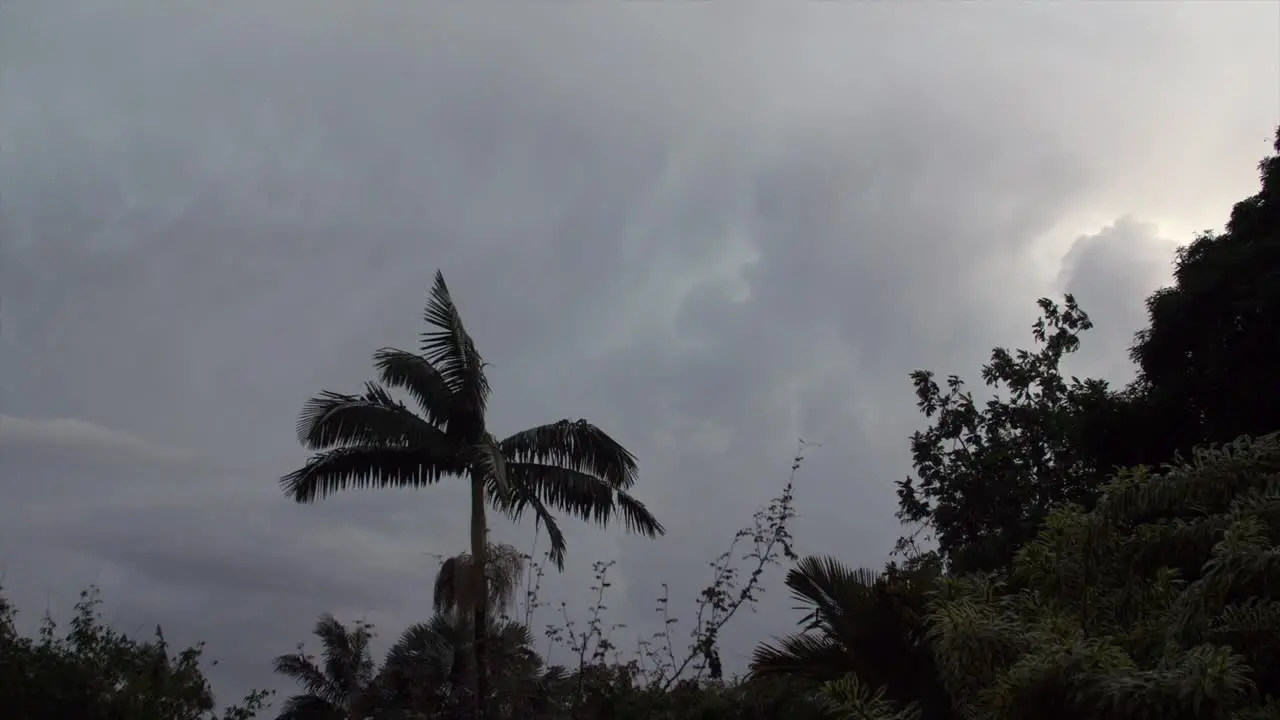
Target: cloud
[[708, 229], [1101, 270], [60, 436]]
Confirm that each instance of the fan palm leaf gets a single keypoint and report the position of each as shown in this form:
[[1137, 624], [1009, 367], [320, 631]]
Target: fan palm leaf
[[859, 623], [840, 605], [429, 660], [431, 652], [831, 592]]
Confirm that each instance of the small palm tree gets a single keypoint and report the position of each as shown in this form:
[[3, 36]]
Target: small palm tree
[[342, 685], [861, 623], [426, 668], [373, 440], [454, 584]]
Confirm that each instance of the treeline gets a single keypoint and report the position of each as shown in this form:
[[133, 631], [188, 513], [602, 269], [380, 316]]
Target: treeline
[[1072, 549]]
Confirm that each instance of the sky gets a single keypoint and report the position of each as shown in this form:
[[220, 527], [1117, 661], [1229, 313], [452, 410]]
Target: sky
[[711, 229]]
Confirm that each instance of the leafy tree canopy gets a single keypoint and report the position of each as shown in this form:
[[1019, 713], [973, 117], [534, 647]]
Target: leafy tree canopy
[[988, 474], [1207, 358], [92, 672]]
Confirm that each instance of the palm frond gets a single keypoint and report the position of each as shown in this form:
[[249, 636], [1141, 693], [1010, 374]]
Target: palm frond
[[427, 665], [309, 707], [454, 585], [801, 655], [449, 593], [519, 497], [418, 377], [512, 636], [373, 419], [431, 651], [827, 588], [636, 517], [504, 569], [856, 621], [512, 644], [347, 663], [435, 652], [350, 468], [575, 445], [452, 352], [582, 495], [302, 669]]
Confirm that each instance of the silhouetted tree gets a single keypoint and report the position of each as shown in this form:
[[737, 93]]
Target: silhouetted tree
[[987, 475], [863, 623], [1207, 359], [95, 673], [340, 683], [373, 440]]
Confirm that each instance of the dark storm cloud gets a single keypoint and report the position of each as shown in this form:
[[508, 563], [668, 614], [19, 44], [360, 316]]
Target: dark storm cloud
[[710, 231]]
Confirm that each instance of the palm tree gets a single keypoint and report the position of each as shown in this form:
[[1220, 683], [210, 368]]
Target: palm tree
[[340, 687], [503, 564], [373, 440], [425, 669], [861, 623]]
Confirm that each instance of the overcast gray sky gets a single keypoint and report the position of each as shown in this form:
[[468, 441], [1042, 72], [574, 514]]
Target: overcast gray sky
[[709, 228]]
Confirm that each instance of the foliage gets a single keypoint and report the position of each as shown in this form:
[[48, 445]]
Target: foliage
[[425, 672], [1207, 359], [847, 698], [92, 672], [1159, 603], [666, 678], [338, 684], [374, 440], [987, 475], [864, 636]]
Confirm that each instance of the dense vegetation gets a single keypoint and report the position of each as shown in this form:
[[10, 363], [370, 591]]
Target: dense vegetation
[[1074, 550]]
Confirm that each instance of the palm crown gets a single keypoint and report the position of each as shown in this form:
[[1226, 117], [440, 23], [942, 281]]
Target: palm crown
[[374, 440], [340, 683]]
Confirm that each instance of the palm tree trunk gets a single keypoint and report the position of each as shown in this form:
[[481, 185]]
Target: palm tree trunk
[[480, 619]]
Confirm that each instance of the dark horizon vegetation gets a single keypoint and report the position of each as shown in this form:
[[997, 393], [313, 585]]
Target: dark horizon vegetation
[[1070, 549]]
